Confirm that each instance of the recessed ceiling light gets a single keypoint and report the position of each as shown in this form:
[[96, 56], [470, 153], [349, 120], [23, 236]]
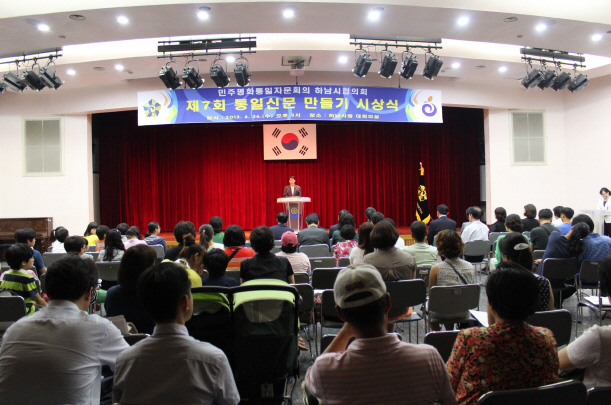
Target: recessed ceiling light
[[288, 12], [42, 27], [342, 59], [119, 66], [510, 19], [541, 27], [597, 37], [503, 69], [71, 72], [375, 14], [122, 20], [463, 21], [203, 13], [231, 59], [455, 65], [76, 17]]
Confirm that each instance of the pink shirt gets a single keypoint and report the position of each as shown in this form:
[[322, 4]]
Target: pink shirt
[[133, 242]]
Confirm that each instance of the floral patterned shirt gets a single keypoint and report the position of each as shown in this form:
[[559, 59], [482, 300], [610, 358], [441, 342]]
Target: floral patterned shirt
[[503, 356], [342, 249]]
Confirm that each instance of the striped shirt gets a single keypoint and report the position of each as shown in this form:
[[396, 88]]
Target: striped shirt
[[23, 284], [381, 370]]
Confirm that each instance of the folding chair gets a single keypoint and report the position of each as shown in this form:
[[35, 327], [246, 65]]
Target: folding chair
[[598, 304], [463, 226], [558, 272], [493, 236], [442, 341], [477, 248], [211, 319], [423, 273], [159, 250], [108, 271], [527, 234], [558, 321], [91, 249], [324, 279], [328, 314], [599, 396], [306, 313], [12, 308], [450, 300], [135, 338], [538, 254], [589, 280], [405, 294], [49, 257], [302, 278], [319, 262], [571, 392], [321, 250], [275, 250], [95, 255], [344, 261]]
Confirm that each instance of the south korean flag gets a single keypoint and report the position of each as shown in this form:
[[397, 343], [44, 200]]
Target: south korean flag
[[289, 141]]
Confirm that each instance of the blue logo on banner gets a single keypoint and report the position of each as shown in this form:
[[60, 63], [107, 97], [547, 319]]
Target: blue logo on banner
[[294, 212]]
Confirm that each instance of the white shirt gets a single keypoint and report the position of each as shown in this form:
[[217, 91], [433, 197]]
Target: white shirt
[[58, 247], [300, 262], [607, 207], [592, 351], [557, 221], [171, 367], [400, 242], [356, 255], [55, 356], [475, 231]]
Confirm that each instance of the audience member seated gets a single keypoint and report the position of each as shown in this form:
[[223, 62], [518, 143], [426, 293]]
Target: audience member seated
[[113, 248], [121, 299], [369, 212], [499, 226], [557, 216], [376, 217], [78, 245], [394, 264], [514, 248], [101, 232], [234, 241], [217, 226], [442, 222], [281, 227], [17, 279], [181, 230], [476, 230], [90, 235], [365, 246], [566, 215], [191, 257], [313, 235], [56, 355], [595, 246], [300, 262], [423, 254], [343, 248], [215, 262], [451, 271], [206, 237], [540, 235], [171, 367], [133, 237], [590, 350], [336, 227], [530, 222], [265, 264], [374, 368], [346, 219], [152, 236], [509, 354], [58, 236], [514, 224], [28, 236], [122, 228]]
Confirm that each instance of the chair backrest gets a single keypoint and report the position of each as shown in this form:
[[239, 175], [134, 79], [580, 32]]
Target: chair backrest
[[567, 392], [344, 261], [278, 243], [320, 262], [493, 236], [404, 294], [233, 274], [454, 298], [321, 250], [108, 271], [538, 254], [324, 279], [276, 249], [94, 255], [50, 257], [12, 308], [477, 248], [91, 248], [325, 341], [327, 308], [599, 396], [302, 278], [307, 297], [526, 234], [589, 272], [159, 251], [442, 341], [423, 273], [562, 269], [463, 226], [135, 338], [558, 321]]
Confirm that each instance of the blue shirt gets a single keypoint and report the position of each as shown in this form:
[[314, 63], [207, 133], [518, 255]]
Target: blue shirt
[[595, 248], [279, 229], [38, 262], [557, 248], [565, 227]]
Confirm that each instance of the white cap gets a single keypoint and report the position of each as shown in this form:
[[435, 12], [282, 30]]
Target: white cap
[[351, 281]]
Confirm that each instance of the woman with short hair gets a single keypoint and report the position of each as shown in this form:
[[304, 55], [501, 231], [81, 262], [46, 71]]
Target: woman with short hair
[[394, 264]]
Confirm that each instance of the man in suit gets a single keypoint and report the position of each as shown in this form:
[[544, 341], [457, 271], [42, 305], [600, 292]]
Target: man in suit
[[441, 223], [313, 235], [292, 190], [279, 229]]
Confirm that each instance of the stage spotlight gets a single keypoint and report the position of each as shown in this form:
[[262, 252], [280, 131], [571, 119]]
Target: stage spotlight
[[192, 77], [548, 79], [578, 83], [432, 67], [33, 81], [13, 82], [561, 81], [240, 70], [50, 78], [218, 74], [169, 77], [362, 65], [410, 64], [389, 64], [532, 78]]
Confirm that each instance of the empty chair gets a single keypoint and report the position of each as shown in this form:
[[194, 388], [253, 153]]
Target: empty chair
[[319, 262], [558, 321], [306, 312], [599, 396], [321, 250], [50, 257], [344, 261], [12, 308], [598, 304], [477, 248], [442, 341], [493, 236], [571, 392], [451, 300], [324, 279], [561, 271], [302, 278], [403, 295], [108, 271], [328, 314], [159, 250], [588, 277]]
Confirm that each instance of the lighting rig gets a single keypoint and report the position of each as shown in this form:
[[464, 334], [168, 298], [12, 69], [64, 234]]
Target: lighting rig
[[32, 76], [207, 46], [554, 78], [389, 62]]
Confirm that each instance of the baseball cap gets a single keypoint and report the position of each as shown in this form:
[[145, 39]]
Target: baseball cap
[[360, 279], [289, 239]]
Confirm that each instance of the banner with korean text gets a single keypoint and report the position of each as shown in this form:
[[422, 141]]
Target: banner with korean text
[[289, 141], [286, 103]]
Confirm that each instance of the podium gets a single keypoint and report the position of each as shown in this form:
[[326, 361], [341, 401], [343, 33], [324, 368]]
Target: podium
[[294, 209], [598, 217]]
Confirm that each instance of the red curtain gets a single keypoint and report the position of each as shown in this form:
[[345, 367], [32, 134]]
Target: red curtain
[[193, 172]]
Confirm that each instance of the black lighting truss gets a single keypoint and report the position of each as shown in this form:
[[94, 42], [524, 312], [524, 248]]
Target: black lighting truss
[[206, 46], [553, 57], [49, 53]]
